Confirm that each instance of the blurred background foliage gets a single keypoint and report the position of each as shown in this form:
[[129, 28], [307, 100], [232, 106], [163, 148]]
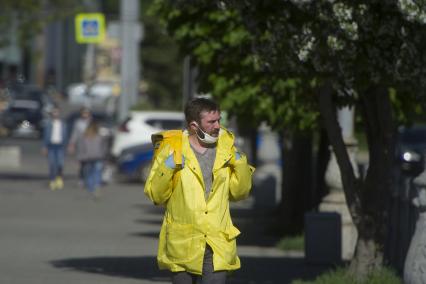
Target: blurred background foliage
[[160, 58], [161, 61], [28, 17]]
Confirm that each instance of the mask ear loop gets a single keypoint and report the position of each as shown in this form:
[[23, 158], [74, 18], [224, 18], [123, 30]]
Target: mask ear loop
[[199, 132], [203, 136]]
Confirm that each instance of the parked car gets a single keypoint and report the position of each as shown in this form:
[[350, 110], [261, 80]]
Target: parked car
[[410, 154], [140, 125], [411, 148], [99, 94], [134, 163], [26, 111], [76, 94]]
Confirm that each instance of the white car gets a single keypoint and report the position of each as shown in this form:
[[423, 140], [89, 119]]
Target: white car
[[99, 94], [140, 125]]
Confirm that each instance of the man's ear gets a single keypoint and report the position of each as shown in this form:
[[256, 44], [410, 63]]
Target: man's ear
[[193, 124]]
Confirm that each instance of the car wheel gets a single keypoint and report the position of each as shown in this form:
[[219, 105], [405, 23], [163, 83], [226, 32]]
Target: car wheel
[[144, 172]]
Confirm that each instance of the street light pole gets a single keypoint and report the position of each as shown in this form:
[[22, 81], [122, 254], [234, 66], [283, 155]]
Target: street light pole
[[131, 35], [189, 80]]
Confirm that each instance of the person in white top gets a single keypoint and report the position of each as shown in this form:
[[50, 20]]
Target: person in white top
[[54, 141]]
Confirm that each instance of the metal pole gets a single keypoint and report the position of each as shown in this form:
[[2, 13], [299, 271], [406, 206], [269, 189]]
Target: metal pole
[[131, 34], [189, 80], [186, 82], [59, 57]]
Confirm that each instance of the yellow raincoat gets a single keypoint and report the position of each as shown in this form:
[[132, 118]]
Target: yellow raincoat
[[190, 221]]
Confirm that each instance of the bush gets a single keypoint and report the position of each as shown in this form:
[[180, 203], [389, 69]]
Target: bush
[[342, 275]]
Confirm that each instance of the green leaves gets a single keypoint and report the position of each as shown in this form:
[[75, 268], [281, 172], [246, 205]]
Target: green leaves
[[236, 36], [260, 58], [206, 50], [161, 59], [231, 69]]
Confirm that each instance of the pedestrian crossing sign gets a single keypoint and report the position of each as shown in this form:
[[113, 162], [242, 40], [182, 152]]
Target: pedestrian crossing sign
[[90, 27]]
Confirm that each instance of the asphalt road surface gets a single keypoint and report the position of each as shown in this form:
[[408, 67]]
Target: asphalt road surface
[[66, 236]]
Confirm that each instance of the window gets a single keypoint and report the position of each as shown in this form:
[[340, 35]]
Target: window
[[165, 123]]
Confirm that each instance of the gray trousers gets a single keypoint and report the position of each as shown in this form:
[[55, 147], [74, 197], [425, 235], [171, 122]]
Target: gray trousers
[[208, 277]]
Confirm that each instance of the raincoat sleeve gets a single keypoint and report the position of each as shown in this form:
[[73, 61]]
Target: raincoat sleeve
[[159, 185], [241, 178]]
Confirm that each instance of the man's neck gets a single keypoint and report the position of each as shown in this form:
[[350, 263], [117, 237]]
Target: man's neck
[[197, 145]]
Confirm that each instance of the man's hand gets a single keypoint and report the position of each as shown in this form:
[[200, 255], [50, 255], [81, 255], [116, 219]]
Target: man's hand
[[44, 151], [170, 162], [235, 157]]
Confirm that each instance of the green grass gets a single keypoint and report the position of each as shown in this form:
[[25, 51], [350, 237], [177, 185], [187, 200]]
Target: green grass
[[341, 275], [362, 141], [292, 243]]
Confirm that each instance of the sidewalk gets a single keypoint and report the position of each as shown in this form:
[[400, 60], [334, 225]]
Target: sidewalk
[[261, 261], [65, 237]]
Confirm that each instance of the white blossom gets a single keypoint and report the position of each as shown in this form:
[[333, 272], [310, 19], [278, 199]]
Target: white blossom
[[334, 43], [344, 15], [413, 10], [305, 43]]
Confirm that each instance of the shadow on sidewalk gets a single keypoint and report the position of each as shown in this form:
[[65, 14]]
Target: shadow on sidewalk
[[20, 176], [258, 228], [260, 270], [129, 267]]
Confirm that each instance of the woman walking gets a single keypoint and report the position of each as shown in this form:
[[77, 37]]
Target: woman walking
[[92, 150]]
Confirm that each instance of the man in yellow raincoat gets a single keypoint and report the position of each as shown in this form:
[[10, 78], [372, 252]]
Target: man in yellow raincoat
[[194, 174]]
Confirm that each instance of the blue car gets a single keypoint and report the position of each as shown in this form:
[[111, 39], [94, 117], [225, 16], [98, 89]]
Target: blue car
[[134, 163]]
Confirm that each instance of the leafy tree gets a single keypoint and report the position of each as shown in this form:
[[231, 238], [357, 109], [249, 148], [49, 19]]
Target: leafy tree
[[231, 72], [29, 17], [222, 47], [162, 64], [20, 22], [356, 51], [284, 56]]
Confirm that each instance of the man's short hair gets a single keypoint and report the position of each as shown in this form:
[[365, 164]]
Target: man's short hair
[[196, 106]]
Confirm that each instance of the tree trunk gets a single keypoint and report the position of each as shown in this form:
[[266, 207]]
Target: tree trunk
[[380, 130], [350, 182], [366, 199], [368, 256]]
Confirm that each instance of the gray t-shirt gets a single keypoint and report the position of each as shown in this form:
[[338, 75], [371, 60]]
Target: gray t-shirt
[[206, 162]]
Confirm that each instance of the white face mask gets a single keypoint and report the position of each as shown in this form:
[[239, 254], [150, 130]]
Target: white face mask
[[207, 138]]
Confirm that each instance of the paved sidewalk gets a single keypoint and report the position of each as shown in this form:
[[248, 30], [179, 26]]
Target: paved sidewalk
[[66, 237], [261, 261]]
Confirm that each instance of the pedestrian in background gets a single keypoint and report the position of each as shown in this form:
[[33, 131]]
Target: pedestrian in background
[[78, 129], [54, 141], [92, 150], [194, 174]]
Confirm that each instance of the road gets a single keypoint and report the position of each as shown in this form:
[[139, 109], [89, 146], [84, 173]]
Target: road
[[66, 236]]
